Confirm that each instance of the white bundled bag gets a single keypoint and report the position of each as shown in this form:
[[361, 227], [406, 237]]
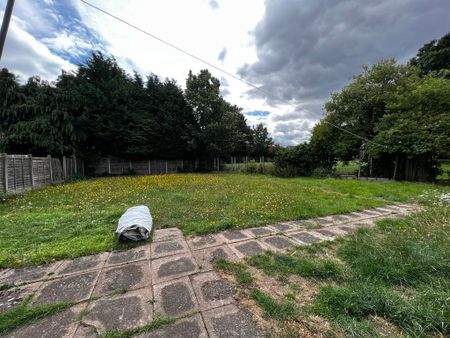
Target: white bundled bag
[[135, 224]]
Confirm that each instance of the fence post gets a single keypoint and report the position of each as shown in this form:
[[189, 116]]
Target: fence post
[[64, 164], [149, 167], [5, 170], [166, 167], [108, 162], [182, 165], [49, 158], [75, 167], [30, 157]]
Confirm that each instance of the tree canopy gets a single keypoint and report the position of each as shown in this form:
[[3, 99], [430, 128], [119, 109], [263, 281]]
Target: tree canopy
[[100, 110]]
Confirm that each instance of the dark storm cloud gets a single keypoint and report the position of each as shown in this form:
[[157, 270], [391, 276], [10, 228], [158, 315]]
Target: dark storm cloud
[[307, 49]]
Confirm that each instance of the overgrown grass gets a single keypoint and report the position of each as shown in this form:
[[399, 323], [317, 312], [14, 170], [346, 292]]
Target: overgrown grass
[[397, 271], [280, 264], [278, 310], [23, 313], [80, 218], [239, 271]]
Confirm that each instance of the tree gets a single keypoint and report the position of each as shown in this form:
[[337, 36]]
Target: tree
[[416, 127], [433, 56], [223, 130], [262, 142]]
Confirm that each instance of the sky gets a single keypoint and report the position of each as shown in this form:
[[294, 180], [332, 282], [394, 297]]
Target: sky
[[299, 51]]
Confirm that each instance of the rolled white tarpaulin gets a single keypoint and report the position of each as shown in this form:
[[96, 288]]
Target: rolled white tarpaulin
[[135, 224]]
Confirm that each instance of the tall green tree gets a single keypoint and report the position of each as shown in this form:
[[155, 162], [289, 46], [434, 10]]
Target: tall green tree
[[434, 56], [262, 142]]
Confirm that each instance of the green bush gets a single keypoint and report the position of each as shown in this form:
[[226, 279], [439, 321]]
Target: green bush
[[295, 161]]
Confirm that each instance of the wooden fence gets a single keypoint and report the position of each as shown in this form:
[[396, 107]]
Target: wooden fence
[[117, 166], [20, 173]]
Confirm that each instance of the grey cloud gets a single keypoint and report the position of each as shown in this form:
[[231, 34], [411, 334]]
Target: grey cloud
[[292, 133], [307, 49], [222, 55]]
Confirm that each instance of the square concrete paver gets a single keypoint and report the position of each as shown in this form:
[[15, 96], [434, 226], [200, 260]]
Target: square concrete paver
[[128, 256], [29, 274], [167, 234], [168, 248], [171, 267], [340, 218], [231, 236], [190, 327], [206, 257], [60, 325], [327, 233], [248, 248], [13, 296], [285, 226], [346, 229], [74, 288], [324, 221], [127, 311], [262, 231], [211, 290], [230, 322], [124, 277], [278, 242], [82, 264], [175, 298], [305, 237], [202, 242]]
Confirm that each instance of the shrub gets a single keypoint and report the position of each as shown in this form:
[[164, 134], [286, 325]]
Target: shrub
[[295, 161]]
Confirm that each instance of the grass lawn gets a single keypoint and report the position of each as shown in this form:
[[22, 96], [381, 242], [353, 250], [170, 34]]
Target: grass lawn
[[351, 168], [388, 281], [80, 218]]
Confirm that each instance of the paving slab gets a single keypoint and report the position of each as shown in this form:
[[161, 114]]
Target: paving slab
[[190, 327], [372, 213], [278, 242], [346, 229], [74, 288], [230, 322], [82, 264], [126, 311], [29, 274], [124, 277], [232, 236], [167, 234], [327, 233], [168, 248], [248, 248], [60, 325], [305, 237], [13, 296], [175, 298], [324, 221], [212, 290], [128, 256], [262, 231], [283, 227], [85, 331], [206, 257], [172, 267], [340, 218], [207, 241]]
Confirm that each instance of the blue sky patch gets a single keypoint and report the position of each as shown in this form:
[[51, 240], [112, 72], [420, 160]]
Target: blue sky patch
[[258, 113]]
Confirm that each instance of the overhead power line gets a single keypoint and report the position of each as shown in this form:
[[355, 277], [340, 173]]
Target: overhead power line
[[212, 65]]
